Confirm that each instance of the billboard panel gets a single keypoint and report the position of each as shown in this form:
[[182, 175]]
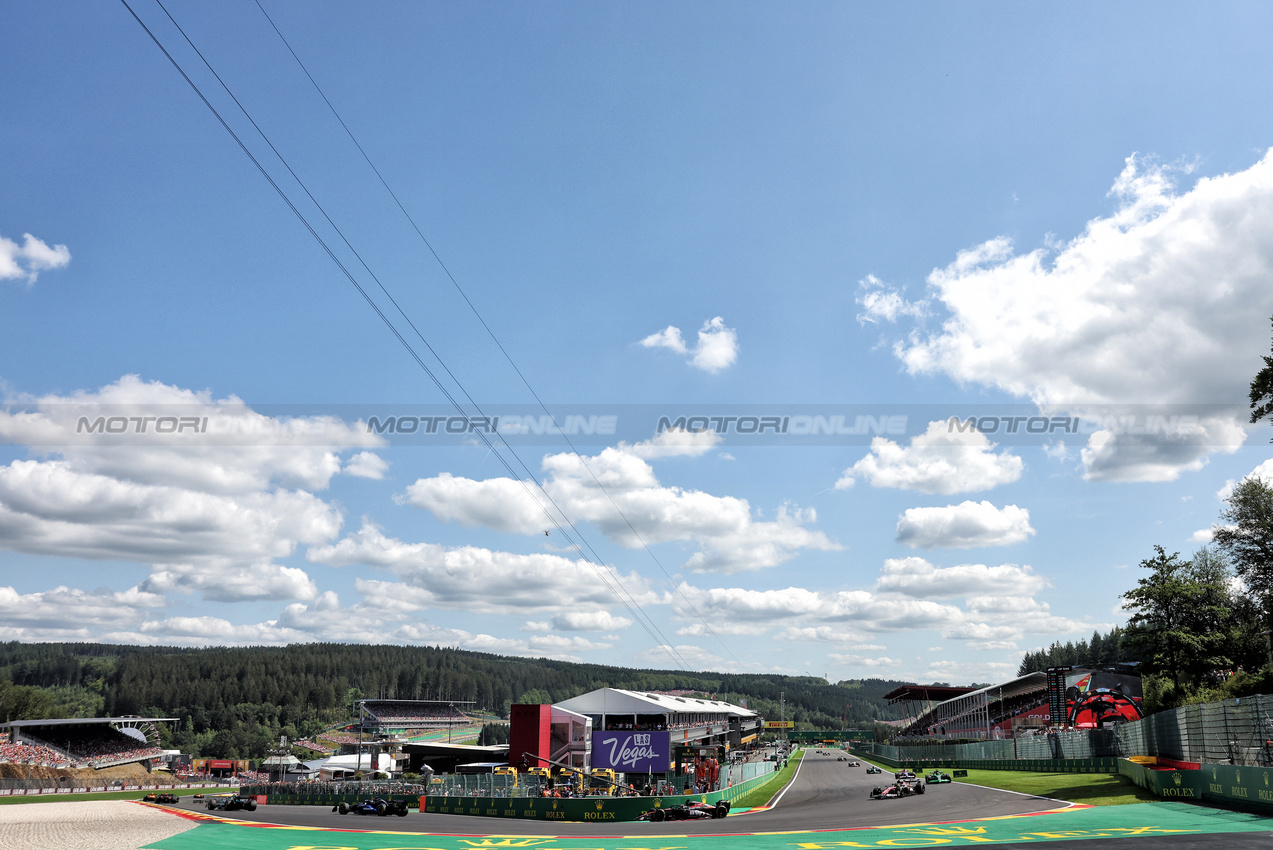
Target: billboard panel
[[632, 752]]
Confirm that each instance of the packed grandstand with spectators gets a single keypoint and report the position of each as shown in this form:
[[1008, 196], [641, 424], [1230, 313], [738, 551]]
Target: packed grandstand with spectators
[[70, 744]]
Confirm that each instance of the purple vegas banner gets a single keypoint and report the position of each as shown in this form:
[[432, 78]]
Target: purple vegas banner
[[632, 752]]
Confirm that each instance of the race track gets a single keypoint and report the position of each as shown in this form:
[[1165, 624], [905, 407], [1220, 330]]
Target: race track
[[826, 794]]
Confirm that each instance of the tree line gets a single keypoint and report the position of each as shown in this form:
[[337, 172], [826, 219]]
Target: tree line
[[235, 702]]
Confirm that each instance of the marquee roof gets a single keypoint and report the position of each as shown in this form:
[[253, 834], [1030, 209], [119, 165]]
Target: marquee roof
[[618, 701]]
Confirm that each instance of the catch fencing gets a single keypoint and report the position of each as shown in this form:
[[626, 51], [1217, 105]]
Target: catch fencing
[[1236, 732], [1233, 732]]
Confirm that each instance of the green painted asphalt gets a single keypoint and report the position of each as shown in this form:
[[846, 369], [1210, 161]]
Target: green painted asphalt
[[1140, 820]]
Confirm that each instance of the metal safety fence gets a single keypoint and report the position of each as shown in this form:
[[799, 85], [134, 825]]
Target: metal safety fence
[[1236, 732]]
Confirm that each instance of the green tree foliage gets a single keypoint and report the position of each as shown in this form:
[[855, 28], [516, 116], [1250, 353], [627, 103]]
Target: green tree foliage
[[236, 702], [1181, 617], [492, 733], [1262, 391], [1100, 651], [1247, 538]]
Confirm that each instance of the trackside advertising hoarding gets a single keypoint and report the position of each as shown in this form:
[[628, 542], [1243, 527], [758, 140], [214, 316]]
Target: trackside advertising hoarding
[[632, 752]]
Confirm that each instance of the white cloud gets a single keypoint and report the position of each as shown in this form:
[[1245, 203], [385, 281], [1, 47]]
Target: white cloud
[[1202, 535], [717, 347], [619, 492], [228, 448], [26, 261], [695, 657], [941, 460], [502, 504], [1163, 302], [470, 578], [47, 507], [367, 465], [206, 491], [589, 621], [231, 582], [882, 303], [964, 526], [854, 660], [65, 613], [918, 578]]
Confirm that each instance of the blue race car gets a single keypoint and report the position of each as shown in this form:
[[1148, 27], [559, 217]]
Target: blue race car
[[378, 806]]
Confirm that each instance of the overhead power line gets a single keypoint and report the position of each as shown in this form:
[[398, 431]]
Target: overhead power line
[[613, 582], [490, 332]]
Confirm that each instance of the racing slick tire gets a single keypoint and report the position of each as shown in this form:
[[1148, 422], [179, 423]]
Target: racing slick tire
[[381, 809], [721, 810], [919, 789], [658, 816], [343, 808], [250, 805]]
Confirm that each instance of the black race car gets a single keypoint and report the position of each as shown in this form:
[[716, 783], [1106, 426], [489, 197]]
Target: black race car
[[692, 810], [378, 806], [937, 777], [896, 791], [231, 803], [169, 799], [870, 768]]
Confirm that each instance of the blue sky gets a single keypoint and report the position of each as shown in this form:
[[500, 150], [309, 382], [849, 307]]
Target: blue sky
[[920, 211]]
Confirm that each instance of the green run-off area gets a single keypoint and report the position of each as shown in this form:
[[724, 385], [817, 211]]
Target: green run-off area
[[1142, 820]]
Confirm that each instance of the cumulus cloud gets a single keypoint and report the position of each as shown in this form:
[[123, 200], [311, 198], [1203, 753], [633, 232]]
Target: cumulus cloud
[[1162, 302], [964, 526], [941, 460], [619, 492], [589, 621], [918, 578], [470, 578], [206, 491], [367, 465], [717, 347], [26, 261], [882, 303], [65, 613]]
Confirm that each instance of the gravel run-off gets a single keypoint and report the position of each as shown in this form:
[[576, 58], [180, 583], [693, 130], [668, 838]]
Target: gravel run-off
[[87, 825]]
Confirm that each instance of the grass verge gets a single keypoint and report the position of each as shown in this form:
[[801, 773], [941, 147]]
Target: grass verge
[[102, 795], [1093, 789], [762, 795]]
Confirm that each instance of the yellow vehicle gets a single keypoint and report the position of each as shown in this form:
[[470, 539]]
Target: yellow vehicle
[[506, 770], [602, 780]]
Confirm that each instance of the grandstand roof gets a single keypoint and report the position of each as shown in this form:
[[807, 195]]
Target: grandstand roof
[[617, 701], [925, 693], [86, 721]]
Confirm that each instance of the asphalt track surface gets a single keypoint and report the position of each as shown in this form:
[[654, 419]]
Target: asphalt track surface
[[826, 794]]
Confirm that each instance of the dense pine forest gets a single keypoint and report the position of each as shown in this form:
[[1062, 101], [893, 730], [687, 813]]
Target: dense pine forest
[[235, 702]]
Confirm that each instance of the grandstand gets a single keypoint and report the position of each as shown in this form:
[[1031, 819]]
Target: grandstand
[[996, 711], [383, 715], [1080, 697], [82, 742]]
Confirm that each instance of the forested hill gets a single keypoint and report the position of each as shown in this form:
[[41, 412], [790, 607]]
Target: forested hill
[[297, 689]]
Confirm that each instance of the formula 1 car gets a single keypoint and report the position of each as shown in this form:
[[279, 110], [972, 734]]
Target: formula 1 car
[[152, 797], [896, 791], [170, 799], [231, 803], [378, 806], [870, 768], [937, 777], [692, 810]]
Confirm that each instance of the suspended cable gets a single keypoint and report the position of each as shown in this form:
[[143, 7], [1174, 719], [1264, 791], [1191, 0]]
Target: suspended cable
[[491, 333], [622, 595]]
